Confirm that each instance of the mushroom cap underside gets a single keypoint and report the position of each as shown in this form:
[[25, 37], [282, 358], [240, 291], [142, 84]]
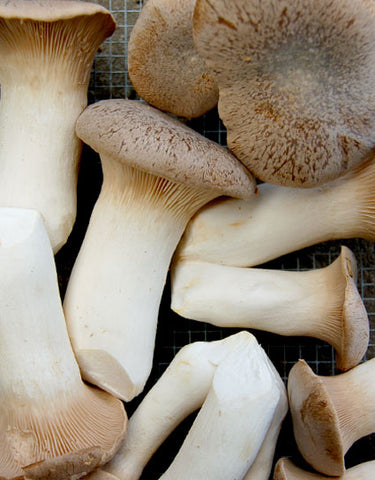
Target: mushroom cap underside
[[315, 421]]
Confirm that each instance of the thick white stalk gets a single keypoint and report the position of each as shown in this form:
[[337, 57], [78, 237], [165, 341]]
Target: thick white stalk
[[262, 465], [50, 421], [180, 391], [114, 292], [46, 53], [322, 303], [280, 220], [286, 470], [229, 429], [39, 151]]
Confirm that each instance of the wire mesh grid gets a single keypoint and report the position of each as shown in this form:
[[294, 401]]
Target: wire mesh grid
[[110, 80]]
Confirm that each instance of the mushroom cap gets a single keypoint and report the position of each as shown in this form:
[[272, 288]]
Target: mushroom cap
[[315, 421], [164, 65], [141, 136], [286, 470], [296, 83], [355, 337], [49, 10]]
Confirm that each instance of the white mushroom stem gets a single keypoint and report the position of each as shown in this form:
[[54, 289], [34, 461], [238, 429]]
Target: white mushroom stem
[[322, 303], [330, 413], [262, 465], [229, 429], [179, 391], [44, 73], [286, 470], [133, 232], [280, 220], [49, 420]]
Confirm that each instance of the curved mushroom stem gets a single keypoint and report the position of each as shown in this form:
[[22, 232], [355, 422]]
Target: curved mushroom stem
[[281, 220], [112, 313], [286, 470], [50, 420], [322, 303], [44, 73], [330, 413], [230, 428], [179, 391]]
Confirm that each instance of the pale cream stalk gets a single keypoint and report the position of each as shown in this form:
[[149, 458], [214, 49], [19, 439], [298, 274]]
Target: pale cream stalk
[[52, 424], [322, 303], [230, 428], [280, 220], [45, 64], [113, 296], [286, 470], [180, 391]]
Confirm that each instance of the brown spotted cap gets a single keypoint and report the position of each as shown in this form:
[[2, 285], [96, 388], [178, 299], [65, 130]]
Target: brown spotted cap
[[296, 83], [164, 65], [145, 138]]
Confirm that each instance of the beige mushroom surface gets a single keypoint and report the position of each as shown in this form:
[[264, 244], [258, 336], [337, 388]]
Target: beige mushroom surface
[[296, 83], [47, 50], [164, 65], [157, 174]]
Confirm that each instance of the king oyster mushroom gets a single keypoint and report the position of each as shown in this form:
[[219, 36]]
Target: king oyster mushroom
[[157, 174]]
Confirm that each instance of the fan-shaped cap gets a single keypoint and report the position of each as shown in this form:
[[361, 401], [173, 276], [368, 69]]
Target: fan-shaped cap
[[145, 138], [296, 83], [164, 64], [315, 421], [49, 10]]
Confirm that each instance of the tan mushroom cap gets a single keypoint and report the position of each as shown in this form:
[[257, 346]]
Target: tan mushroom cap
[[164, 65], [296, 83], [286, 470], [145, 138], [49, 10], [315, 421], [355, 324]]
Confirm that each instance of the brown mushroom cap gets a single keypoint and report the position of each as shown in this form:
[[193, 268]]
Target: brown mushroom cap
[[315, 421], [296, 83], [286, 470], [48, 10], [145, 138], [164, 65]]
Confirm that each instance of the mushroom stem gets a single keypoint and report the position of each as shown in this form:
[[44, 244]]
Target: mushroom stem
[[140, 221], [46, 51], [50, 420], [179, 391], [280, 220], [330, 413], [286, 470], [230, 428], [156, 174], [322, 303]]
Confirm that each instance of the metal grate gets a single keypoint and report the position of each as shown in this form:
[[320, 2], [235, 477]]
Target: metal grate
[[110, 80]]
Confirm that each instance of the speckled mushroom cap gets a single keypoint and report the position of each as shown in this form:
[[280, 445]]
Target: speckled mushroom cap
[[164, 65], [296, 83], [143, 137], [315, 421], [49, 10]]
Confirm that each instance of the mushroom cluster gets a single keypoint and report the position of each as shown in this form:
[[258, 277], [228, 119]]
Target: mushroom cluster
[[182, 227]]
